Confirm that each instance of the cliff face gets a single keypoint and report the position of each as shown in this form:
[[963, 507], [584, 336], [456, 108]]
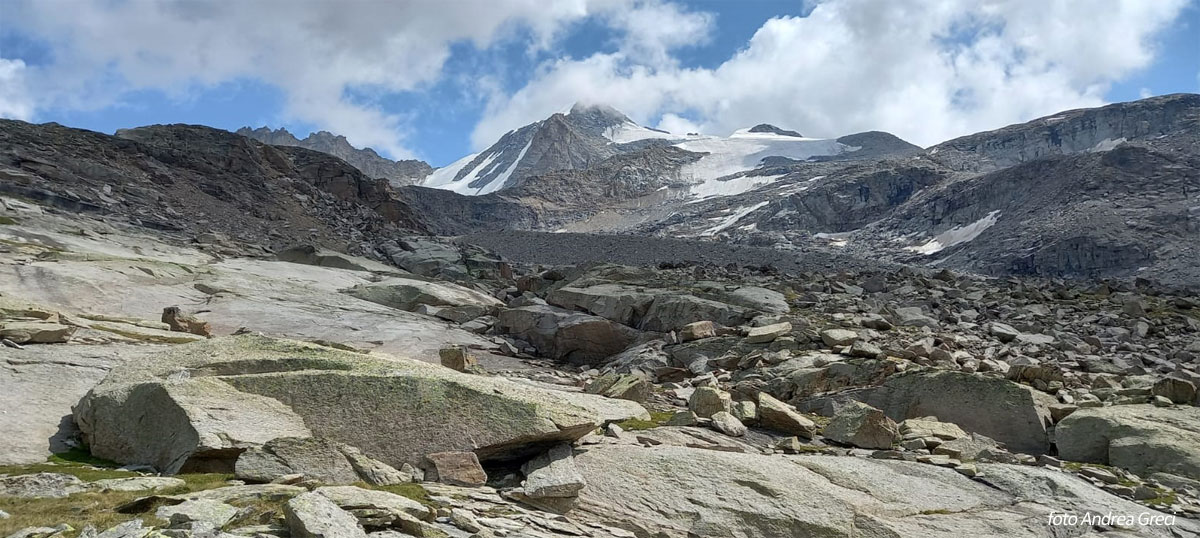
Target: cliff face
[[1072, 131]]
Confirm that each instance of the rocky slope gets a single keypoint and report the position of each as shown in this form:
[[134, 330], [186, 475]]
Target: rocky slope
[[818, 397], [190, 348], [404, 172], [1107, 192], [188, 180]]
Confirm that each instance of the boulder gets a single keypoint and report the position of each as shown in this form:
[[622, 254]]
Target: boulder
[[728, 424], [373, 504], [138, 483], [758, 496], [408, 293], [312, 515], [781, 417], [697, 330], [456, 469], [838, 337], [1003, 332], [457, 358], [621, 386], [865, 349], [1177, 390], [621, 303], [553, 474], [643, 360], [707, 401], [182, 322], [1013, 414], [214, 513], [429, 258], [197, 406], [913, 316], [756, 298], [670, 312], [36, 332], [40, 485], [930, 427], [571, 336], [1141, 438], [768, 333], [858, 424]]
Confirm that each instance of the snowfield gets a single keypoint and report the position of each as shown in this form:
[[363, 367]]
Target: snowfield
[[737, 214], [744, 150], [632, 132], [715, 187], [957, 235]]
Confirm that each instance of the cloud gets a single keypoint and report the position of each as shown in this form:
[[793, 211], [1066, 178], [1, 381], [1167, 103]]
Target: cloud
[[15, 101], [925, 70], [315, 52]]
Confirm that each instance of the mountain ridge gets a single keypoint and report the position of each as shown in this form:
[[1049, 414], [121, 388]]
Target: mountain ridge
[[402, 172]]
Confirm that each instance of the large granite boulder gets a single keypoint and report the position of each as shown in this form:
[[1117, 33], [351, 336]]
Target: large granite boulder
[[858, 424], [1013, 414], [1141, 438], [752, 297], [672, 312], [760, 496], [571, 336], [312, 515], [409, 293], [621, 303], [198, 406]]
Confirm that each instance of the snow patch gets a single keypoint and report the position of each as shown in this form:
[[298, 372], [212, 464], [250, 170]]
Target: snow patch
[[507, 173], [732, 219], [715, 187], [632, 132], [957, 235], [745, 151], [445, 175], [443, 178]]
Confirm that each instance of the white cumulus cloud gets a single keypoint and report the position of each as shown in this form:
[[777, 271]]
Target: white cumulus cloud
[[926, 70], [315, 52]]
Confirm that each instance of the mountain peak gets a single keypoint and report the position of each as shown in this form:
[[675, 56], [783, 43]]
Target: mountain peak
[[768, 128], [600, 115]]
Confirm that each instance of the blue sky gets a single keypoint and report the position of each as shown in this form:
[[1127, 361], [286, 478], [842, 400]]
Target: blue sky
[[461, 74]]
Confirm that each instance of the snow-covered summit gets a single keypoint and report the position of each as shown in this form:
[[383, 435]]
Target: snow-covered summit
[[590, 133]]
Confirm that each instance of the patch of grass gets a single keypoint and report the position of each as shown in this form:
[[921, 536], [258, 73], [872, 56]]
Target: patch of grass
[[939, 511], [203, 481], [78, 511], [81, 456], [657, 418], [1164, 498], [8, 221], [82, 472], [94, 508], [259, 512], [77, 462], [408, 489]]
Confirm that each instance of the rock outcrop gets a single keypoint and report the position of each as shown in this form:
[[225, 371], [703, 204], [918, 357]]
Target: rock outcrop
[[198, 406], [1141, 438]]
